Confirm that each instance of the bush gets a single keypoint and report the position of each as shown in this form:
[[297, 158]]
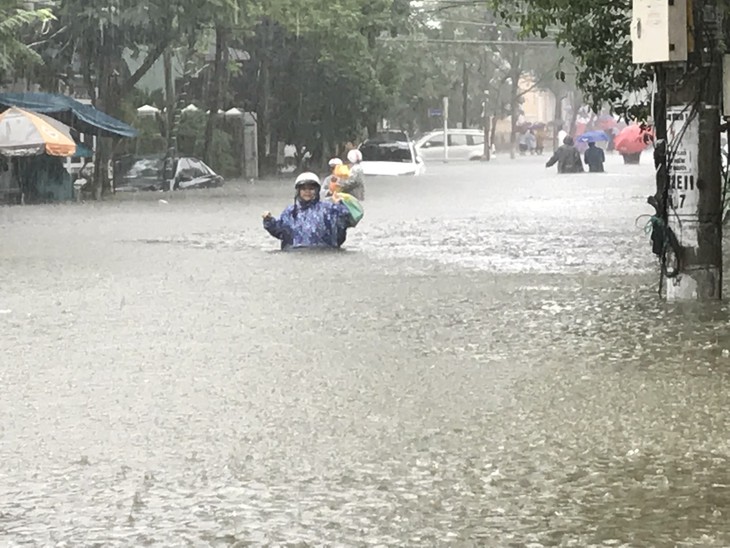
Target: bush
[[191, 142]]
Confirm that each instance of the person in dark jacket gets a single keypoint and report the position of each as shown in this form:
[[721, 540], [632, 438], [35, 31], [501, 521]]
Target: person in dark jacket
[[594, 158], [567, 157]]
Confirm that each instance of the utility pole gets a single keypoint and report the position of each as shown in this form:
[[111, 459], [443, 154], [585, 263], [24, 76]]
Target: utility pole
[[693, 161], [465, 97], [487, 156], [689, 182], [446, 129]]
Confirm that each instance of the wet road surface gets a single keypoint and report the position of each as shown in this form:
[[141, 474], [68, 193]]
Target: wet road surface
[[486, 365]]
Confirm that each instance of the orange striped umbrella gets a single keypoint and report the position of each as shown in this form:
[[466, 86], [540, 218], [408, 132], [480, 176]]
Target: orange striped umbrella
[[25, 133]]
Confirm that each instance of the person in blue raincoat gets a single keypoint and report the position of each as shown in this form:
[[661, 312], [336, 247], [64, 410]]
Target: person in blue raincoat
[[309, 222]]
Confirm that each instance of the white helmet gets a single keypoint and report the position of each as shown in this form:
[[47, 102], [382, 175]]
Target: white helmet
[[354, 156], [335, 162], [307, 177]]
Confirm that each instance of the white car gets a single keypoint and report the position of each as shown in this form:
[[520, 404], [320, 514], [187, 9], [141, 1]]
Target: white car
[[384, 156], [464, 144]]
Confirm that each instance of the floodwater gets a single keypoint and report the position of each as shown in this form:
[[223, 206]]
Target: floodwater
[[488, 364]]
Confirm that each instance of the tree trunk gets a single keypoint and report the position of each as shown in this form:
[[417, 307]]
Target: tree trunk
[[515, 73], [107, 101], [263, 106], [214, 90], [181, 99], [574, 106], [372, 127], [558, 120], [465, 98], [170, 144]]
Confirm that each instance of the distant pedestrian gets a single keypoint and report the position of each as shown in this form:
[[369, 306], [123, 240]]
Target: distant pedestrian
[[355, 183], [567, 157], [594, 158], [531, 141], [540, 141], [523, 143]]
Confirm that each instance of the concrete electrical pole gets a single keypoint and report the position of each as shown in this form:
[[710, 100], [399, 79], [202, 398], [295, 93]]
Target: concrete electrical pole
[[446, 129], [487, 155], [688, 45]]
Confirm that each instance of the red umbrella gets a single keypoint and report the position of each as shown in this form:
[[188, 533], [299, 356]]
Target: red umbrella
[[633, 139]]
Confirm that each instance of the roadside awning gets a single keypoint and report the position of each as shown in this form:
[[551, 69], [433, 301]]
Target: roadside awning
[[82, 151], [81, 117]]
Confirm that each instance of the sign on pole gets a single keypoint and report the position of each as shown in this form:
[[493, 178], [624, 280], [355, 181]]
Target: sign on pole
[[683, 147], [683, 137]]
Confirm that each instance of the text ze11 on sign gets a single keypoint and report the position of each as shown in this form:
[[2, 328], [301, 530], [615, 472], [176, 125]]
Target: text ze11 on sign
[[683, 140]]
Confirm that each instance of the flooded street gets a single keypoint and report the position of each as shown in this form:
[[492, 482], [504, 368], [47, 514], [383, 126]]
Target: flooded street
[[488, 364]]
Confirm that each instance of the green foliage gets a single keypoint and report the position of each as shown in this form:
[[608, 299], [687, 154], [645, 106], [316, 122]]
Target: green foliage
[[327, 79], [14, 21], [460, 53], [597, 34], [191, 143], [149, 142]]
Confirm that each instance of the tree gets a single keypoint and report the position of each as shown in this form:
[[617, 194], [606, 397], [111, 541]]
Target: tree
[[97, 37], [14, 51], [315, 77], [461, 53], [597, 35]]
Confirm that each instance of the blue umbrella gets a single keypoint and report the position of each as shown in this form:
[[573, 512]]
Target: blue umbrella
[[593, 137]]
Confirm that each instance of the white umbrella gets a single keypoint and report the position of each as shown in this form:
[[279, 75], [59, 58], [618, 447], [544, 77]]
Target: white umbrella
[[148, 110]]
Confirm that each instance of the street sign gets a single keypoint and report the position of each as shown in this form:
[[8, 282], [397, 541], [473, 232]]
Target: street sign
[[435, 112]]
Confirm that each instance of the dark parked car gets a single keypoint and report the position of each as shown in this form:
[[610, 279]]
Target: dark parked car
[[149, 174]]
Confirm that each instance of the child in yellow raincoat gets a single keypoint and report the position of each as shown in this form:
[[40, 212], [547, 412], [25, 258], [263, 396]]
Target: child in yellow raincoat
[[340, 184]]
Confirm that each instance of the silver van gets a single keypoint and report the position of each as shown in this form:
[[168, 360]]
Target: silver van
[[464, 144]]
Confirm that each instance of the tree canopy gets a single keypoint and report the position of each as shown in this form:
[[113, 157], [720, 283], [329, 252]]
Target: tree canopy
[[597, 33], [320, 74], [15, 48]]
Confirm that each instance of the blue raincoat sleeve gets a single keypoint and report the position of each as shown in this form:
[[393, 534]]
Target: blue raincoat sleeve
[[280, 228], [341, 215]]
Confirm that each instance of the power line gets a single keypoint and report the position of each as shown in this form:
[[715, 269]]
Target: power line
[[526, 43], [489, 24]]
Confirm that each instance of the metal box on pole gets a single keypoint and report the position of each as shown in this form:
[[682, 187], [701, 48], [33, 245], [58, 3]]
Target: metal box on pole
[[659, 31]]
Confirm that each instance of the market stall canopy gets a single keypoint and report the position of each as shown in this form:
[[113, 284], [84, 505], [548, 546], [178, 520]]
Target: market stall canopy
[[81, 117], [82, 151], [25, 133]]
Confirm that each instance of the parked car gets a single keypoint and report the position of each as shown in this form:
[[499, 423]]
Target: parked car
[[464, 144], [385, 156], [149, 174], [391, 135]]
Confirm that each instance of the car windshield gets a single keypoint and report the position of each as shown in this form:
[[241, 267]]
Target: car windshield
[[386, 152], [150, 167]]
